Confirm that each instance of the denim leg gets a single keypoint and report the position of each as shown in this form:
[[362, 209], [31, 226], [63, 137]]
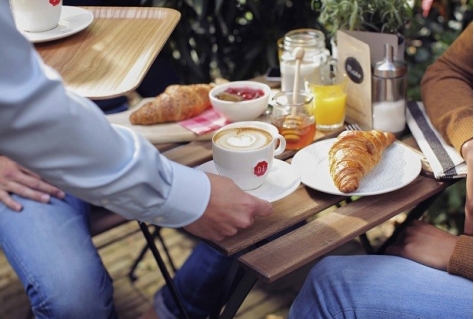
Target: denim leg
[[50, 248], [199, 281], [381, 287]]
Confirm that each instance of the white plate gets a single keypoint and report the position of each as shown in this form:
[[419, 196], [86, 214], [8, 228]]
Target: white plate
[[399, 167], [72, 21], [281, 182]]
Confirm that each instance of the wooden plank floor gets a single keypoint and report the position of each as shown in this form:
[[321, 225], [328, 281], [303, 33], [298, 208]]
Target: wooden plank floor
[[120, 246]]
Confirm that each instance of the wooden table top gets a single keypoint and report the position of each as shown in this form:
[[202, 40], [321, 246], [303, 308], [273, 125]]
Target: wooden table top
[[330, 221], [110, 57], [328, 231]]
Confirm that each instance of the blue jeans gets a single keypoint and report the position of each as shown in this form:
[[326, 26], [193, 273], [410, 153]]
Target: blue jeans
[[50, 248], [199, 282], [381, 287]]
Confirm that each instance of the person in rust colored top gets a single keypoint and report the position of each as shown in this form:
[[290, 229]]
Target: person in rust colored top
[[427, 272], [447, 95]]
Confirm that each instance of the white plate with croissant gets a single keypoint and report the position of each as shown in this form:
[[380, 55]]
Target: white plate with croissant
[[396, 167]]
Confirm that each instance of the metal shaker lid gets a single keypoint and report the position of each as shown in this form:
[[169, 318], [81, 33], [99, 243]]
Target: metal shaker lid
[[388, 67]]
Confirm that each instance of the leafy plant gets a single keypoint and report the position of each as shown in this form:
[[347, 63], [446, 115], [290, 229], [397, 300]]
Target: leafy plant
[[387, 16], [234, 39]]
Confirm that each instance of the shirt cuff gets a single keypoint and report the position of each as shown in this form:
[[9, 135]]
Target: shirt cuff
[[187, 199], [460, 262]]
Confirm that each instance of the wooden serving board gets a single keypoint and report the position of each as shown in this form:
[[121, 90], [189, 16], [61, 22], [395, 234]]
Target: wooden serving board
[[110, 57], [158, 133], [163, 133]]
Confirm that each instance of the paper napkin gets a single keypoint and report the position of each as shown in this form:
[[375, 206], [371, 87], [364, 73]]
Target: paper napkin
[[445, 161], [205, 122]]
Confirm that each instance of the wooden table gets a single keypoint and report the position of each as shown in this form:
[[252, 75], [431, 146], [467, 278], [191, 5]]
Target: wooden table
[[111, 57], [269, 261], [108, 70]]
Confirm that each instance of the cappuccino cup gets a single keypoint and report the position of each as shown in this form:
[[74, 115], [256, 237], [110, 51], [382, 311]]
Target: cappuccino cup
[[245, 153], [258, 124], [36, 15]]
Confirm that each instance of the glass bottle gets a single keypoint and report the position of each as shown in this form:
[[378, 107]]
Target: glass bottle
[[314, 45]]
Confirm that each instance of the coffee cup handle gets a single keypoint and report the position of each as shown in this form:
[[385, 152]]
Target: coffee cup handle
[[281, 142]]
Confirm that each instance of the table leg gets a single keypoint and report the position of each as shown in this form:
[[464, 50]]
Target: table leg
[[366, 243], [238, 296], [169, 281]]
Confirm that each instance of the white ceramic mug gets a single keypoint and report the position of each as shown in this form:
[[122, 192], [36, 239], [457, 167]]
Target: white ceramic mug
[[245, 153], [36, 15]]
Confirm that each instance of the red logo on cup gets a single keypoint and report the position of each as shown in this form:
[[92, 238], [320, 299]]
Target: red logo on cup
[[260, 168], [54, 2]]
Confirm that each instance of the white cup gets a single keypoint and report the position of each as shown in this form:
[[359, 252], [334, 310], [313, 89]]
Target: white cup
[[36, 15], [245, 153]]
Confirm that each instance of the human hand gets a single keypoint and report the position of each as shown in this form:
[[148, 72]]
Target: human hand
[[425, 244], [21, 181], [229, 209], [467, 155]]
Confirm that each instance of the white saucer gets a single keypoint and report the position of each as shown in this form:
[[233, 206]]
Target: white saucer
[[281, 182], [72, 21]]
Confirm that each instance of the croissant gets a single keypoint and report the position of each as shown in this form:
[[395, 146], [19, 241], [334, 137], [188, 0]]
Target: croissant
[[176, 103], [354, 154]]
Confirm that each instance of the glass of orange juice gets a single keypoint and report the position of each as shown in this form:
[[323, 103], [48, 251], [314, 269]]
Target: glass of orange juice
[[329, 101]]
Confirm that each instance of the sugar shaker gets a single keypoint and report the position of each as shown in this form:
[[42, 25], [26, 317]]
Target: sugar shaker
[[389, 86]]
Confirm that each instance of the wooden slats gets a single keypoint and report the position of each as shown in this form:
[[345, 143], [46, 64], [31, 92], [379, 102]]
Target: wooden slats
[[287, 212], [121, 44], [311, 241], [192, 154]]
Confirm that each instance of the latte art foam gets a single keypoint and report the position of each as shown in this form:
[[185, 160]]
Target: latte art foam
[[243, 138]]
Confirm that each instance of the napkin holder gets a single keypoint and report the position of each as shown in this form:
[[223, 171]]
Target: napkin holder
[[357, 51]]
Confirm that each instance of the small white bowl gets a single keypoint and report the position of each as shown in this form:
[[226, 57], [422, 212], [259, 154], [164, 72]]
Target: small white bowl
[[246, 110]]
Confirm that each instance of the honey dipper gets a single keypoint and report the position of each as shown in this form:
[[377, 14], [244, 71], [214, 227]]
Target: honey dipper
[[293, 122]]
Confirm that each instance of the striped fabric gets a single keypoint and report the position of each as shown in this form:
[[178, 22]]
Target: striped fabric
[[445, 161]]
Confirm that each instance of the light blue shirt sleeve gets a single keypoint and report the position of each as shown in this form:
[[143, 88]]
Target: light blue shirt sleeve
[[67, 140]]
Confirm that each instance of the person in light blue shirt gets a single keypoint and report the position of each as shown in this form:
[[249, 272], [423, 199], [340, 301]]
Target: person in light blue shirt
[[66, 139], [63, 139]]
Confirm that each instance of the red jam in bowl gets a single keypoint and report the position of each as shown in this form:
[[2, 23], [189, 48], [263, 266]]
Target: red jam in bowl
[[240, 94]]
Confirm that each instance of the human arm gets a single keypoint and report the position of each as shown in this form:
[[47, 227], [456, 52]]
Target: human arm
[[466, 152], [18, 180], [228, 207], [435, 248], [66, 140], [446, 91]]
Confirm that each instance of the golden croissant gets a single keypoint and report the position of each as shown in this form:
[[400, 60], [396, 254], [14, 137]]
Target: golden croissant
[[176, 103], [354, 154]]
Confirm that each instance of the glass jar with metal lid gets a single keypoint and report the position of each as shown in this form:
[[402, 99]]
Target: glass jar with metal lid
[[315, 52]]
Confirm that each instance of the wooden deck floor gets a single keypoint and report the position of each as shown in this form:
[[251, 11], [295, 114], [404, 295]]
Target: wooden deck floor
[[120, 246]]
